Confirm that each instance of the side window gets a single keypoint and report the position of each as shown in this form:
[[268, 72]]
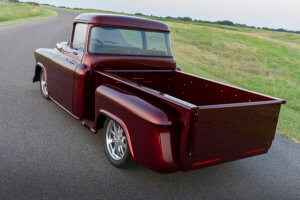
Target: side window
[[79, 37]]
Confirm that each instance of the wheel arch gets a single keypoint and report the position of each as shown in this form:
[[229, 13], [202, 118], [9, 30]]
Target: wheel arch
[[38, 68], [103, 115]]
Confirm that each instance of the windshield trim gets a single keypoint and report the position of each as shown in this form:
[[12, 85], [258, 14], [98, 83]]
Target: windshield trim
[[108, 54]]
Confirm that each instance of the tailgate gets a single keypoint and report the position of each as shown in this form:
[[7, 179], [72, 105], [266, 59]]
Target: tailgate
[[221, 133]]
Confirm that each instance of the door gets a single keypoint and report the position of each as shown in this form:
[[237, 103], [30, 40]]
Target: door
[[62, 73]]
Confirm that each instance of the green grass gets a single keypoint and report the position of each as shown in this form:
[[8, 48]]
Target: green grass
[[11, 13], [263, 61]]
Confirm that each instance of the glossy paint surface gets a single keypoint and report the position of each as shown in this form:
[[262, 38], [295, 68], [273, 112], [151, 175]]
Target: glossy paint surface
[[172, 120], [122, 21], [151, 142], [228, 132], [220, 132]]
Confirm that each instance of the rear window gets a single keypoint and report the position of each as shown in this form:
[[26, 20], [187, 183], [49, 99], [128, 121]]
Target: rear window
[[117, 41]]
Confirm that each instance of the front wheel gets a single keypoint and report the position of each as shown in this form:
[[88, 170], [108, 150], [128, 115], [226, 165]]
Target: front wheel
[[43, 85], [116, 145]]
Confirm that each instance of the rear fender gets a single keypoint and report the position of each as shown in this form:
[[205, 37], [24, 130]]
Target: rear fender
[[122, 124], [149, 126]]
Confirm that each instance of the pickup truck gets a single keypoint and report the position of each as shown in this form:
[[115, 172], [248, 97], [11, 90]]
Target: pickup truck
[[118, 76]]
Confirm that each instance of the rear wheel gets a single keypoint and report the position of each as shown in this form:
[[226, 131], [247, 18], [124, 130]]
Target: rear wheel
[[43, 85], [116, 145]]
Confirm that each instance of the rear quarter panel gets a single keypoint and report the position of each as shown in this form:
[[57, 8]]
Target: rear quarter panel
[[152, 128]]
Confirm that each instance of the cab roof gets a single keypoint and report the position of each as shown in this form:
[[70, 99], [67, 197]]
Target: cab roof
[[121, 21]]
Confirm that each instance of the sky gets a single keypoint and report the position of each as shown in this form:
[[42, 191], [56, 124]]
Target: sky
[[262, 13]]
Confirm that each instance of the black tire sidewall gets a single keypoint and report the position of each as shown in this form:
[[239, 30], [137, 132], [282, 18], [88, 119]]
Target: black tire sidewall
[[117, 163]]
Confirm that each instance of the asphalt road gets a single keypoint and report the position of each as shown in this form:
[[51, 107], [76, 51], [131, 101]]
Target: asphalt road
[[46, 154]]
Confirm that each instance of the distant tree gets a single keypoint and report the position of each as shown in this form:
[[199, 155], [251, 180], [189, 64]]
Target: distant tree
[[241, 25], [10, 1], [139, 14], [198, 21], [281, 30], [226, 22], [33, 3], [187, 19], [170, 18]]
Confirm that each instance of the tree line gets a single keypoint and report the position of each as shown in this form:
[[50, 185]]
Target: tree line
[[223, 22], [183, 19]]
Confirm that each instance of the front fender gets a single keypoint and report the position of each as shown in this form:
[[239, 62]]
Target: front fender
[[149, 125], [41, 55], [38, 68]]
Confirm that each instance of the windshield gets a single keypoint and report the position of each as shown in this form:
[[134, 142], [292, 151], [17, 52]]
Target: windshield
[[117, 41]]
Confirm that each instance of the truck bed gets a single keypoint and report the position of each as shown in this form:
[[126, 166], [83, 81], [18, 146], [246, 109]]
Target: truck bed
[[222, 122], [192, 90]]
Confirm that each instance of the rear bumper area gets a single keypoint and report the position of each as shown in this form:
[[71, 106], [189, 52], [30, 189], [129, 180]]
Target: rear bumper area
[[222, 157], [223, 133]]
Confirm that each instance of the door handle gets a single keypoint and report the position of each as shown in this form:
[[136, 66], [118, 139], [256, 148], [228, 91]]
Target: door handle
[[71, 61]]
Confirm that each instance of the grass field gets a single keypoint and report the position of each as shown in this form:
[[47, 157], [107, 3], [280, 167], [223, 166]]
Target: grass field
[[11, 13]]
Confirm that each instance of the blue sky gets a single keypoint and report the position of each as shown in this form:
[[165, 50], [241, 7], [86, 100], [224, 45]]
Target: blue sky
[[263, 13]]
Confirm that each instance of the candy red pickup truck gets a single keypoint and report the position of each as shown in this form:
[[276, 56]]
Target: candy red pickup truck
[[117, 74]]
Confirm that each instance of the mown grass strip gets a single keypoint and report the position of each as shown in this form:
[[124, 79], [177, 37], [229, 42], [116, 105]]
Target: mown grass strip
[[12, 13]]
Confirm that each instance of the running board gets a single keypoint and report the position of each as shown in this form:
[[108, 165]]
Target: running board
[[89, 125]]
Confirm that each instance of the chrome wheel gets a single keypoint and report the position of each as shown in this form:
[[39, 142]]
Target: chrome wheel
[[43, 83], [116, 141]]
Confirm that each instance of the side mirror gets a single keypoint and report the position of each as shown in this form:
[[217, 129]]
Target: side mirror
[[60, 45]]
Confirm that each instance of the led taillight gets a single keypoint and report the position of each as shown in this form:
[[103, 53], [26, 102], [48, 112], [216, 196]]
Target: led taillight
[[254, 151], [208, 161]]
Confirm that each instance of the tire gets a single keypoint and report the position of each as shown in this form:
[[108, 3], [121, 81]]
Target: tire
[[43, 86], [115, 143]]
